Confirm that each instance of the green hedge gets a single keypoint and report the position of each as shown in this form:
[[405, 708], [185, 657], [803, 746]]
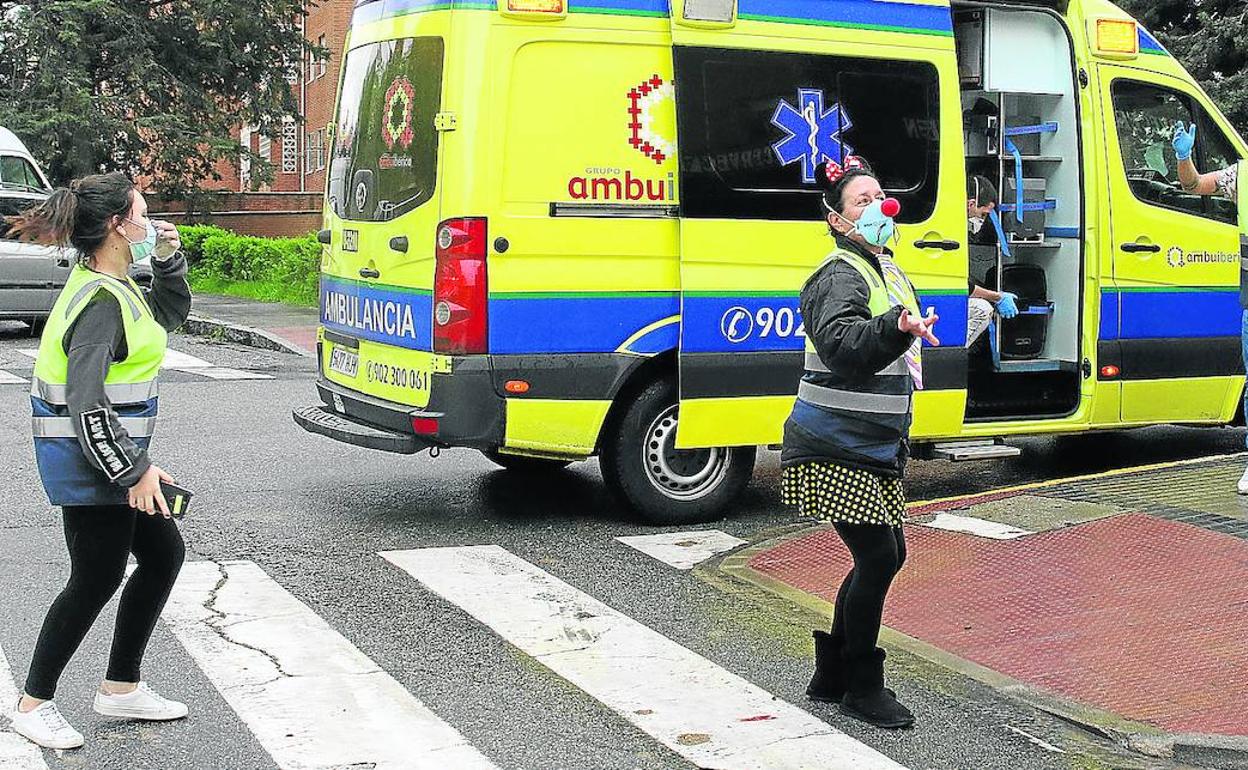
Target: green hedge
[[273, 269]]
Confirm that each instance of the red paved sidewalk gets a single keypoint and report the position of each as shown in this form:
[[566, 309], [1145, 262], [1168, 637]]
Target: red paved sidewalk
[[1133, 614], [293, 327]]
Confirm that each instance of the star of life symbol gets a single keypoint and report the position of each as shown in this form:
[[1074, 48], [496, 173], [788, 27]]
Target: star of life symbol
[[814, 134]]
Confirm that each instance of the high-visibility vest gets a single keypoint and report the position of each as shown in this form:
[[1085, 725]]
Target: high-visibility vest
[[68, 477], [1242, 184], [889, 392]]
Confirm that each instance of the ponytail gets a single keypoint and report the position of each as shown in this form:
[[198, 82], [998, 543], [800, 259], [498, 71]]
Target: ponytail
[[80, 215]]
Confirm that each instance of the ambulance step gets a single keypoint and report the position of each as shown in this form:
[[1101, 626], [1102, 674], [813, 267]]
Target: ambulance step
[[968, 451], [320, 420]]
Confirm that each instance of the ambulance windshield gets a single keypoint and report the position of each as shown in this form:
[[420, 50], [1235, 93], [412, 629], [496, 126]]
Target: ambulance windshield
[[385, 147]]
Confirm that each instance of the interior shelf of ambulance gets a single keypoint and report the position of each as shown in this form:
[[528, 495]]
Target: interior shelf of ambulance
[[1021, 131]]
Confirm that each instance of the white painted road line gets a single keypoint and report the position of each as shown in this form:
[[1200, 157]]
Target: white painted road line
[[8, 378], [311, 698], [684, 550], [978, 527], [16, 753], [706, 714], [226, 373], [185, 362], [176, 359]]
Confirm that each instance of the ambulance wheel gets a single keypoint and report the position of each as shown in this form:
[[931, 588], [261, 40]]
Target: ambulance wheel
[[521, 464], [663, 484]]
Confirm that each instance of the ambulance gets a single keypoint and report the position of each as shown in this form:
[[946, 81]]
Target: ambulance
[[561, 229]]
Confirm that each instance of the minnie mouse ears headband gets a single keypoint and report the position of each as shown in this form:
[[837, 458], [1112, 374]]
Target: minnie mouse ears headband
[[836, 171]]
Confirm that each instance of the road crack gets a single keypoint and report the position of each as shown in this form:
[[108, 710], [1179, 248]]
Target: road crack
[[219, 624]]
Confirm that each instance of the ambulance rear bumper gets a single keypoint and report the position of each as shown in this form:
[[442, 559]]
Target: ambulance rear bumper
[[468, 412]]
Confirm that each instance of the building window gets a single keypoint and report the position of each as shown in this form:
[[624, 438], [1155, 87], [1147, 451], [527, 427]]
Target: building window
[[316, 151], [290, 146], [244, 158], [322, 61], [264, 147]]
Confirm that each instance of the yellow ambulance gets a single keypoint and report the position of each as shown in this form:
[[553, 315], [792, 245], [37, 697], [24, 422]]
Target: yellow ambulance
[[559, 229]]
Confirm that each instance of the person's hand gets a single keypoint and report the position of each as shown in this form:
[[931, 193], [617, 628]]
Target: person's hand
[[146, 495], [1184, 140], [167, 239], [1007, 306], [919, 327]]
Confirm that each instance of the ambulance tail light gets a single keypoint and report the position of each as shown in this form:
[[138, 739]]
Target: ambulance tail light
[[425, 426], [460, 288]]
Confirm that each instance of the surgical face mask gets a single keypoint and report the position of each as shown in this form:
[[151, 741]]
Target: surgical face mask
[[141, 251], [876, 227], [976, 224]]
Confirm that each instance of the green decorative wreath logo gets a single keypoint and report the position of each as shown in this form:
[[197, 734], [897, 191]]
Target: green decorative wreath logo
[[397, 128]]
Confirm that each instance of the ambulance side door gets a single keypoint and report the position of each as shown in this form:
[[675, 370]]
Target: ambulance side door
[[756, 115], [1175, 254]]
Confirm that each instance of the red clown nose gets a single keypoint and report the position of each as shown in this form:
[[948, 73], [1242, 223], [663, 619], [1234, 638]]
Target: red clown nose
[[891, 207]]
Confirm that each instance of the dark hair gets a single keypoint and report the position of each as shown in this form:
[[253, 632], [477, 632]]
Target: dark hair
[[79, 215], [834, 192], [981, 189]]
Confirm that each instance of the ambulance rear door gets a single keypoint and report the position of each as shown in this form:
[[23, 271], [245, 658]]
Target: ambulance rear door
[[766, 91]]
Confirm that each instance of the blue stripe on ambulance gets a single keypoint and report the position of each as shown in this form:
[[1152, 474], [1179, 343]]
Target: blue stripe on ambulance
[[1150, 44], [386, 314], [579, 323], [1192, 314], [913, 17]]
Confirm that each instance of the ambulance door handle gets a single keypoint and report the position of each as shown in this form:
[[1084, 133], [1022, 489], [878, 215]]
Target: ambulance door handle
[[368, 272], [1141, 248], [942, 245]]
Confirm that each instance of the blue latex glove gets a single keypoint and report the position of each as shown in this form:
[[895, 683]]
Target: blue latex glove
[[1184, 141], [1008, 306]]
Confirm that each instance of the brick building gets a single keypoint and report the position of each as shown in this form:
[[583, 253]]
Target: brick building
[[291, 203]]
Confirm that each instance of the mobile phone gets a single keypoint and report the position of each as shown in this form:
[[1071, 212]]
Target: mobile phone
[[178, 498]]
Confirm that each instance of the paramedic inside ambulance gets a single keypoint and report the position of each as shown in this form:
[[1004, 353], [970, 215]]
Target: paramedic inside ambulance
[[1224, 182], [981, 204]]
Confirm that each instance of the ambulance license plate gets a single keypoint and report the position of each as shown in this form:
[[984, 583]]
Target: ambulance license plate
[[344, 361]]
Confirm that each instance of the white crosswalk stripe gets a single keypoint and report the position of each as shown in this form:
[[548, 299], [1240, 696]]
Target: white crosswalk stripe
[[185, 362], [16, 753], [310, 697], [684, 550], [8, 378], [706, 714]]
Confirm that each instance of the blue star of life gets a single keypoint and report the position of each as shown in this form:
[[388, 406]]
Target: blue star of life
[[814, 134]]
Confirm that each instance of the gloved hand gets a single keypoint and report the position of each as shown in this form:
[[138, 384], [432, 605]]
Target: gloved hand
[[1008, 306], [1184, 141]]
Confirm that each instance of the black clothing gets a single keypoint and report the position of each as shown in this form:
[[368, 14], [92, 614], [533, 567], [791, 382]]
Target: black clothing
[[853, 346], [879, 553], [100, 538], [97, 339]]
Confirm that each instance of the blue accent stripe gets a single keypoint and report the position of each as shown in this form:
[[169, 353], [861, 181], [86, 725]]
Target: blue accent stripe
[[629, 7], [576, 324], [377, 313], [852, 13], [1171, 314], [1150, 44]]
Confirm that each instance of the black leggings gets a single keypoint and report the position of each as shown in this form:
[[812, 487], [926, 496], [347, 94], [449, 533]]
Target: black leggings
[[879, 552], [100, 538]]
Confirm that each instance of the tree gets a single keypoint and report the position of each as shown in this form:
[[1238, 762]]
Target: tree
[[1210, 38], [151, 87]]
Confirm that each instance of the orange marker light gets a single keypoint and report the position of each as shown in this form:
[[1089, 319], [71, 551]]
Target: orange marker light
[[535, 6], [1117, 36], [1110, 371], [516, 387]]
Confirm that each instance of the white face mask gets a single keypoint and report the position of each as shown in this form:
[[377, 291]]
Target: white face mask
[[975, 224]]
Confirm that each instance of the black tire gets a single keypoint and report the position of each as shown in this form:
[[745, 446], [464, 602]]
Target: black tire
[[520, 464], [667, 486]]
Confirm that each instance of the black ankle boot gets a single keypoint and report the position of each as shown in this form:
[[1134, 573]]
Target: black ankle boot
[[867, 700], [828, 683]]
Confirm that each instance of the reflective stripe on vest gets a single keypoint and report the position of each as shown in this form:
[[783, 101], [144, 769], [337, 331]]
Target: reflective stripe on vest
[[851, 400], [117, 393], [63, 427]]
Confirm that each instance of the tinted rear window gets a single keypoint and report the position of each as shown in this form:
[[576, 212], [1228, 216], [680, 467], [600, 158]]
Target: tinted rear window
[[751, 121], [385, 150]]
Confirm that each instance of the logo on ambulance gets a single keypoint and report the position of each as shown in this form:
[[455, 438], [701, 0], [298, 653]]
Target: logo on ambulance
[[644, 103], [737, 325], [397, 127], [813, 133]]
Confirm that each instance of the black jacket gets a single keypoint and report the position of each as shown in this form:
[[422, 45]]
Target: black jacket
[[854, 347]]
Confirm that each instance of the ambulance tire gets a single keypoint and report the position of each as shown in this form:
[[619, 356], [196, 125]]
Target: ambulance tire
[[666, 486], [520, 464]]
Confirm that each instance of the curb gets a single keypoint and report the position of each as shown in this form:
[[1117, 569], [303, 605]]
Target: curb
[[204, 326], [1222, 752]]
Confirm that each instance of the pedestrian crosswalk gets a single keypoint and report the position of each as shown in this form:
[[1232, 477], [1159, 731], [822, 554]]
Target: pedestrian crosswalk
[[16, 753], [312, 699], [175, 360]]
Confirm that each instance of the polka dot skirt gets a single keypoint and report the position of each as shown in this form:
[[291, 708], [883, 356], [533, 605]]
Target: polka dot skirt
[[834, 493]]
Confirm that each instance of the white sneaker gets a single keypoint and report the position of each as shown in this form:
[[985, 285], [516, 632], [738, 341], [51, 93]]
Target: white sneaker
[[140, 703], [46, 727], [1242, 488]]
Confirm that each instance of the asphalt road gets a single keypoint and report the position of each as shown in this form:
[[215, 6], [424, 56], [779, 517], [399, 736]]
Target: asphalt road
[[314, 515]]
